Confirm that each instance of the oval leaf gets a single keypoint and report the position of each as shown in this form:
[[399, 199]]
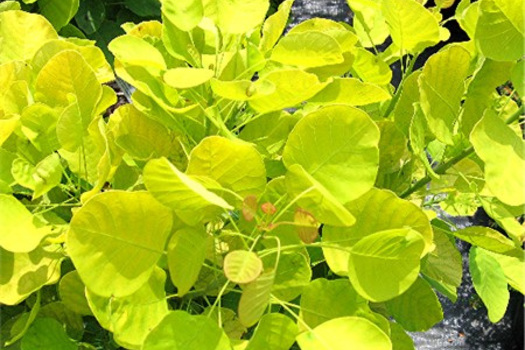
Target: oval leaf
[[242, 266]]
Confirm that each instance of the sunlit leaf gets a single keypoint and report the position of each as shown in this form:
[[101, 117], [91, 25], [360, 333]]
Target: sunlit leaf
[[186, 253], [24, 273], [274, 25], [242, 266], [131, 318], [236, 16], [234, 164], [338, 333], [385, 264], [352, 92], [500, 29], [184, 78], [180, 330], [135, 51], [441, 94], [22, 33], [494, 141], [307, 49], [274, 331], [20, 234], [116, 239], [186, 196], [377, 210], [337, 146], [185, 14], [412, 27], [255, 298], [489, 282], [487, 238]]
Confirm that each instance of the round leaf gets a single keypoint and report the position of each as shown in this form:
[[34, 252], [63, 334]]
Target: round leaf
[[274, 331], [242, 266], [132, 317], [116, 239], [385, 264], [19, 233], [47, 333], [181, 331], [233, 164], [377, 210], [339, 333], [22, 34], [338, 147]]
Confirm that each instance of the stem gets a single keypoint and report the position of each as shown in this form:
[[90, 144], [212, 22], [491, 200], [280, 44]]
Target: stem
[[441, 169]]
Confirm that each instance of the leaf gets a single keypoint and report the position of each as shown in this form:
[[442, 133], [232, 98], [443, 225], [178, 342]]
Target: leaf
[[418, 309], [292, 86], [186, 253], [58, 12], [385, 264], [400, 339], [352, 92], [242, 266], [306, 226], [369, 22], [47, 333], [185, 78], [377, 210], [180, 330], [315, 198], [185, 14], [490, 75], [65, 77], [140, 136], [116, 239], [338, 333], [513, 267], [505, 218], [24, 273], [494, 141], [444, 264], [22, 34], [412, 27], [228, 321], [72, 293], [72, 322], [518, 78], [255, 299], [489, 282], [323, 300], [9, 5], [20, 234], [488, 239], [293, 273], [441, 94], [190, 200], [234, 164], [338, 147], [90, 15], [236, 16], [47, 174], [144, 8], [500, 29], [274, 331], [39, 126], [134, 51], [307, 49], [131, 318], [274, 26]]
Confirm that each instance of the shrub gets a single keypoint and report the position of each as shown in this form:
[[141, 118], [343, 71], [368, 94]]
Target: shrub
[[262, 190]]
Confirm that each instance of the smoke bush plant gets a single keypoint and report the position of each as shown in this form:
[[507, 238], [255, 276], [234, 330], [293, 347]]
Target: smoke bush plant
[[262, 191]]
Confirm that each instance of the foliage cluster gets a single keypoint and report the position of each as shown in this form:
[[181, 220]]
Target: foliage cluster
[[262, 191]]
